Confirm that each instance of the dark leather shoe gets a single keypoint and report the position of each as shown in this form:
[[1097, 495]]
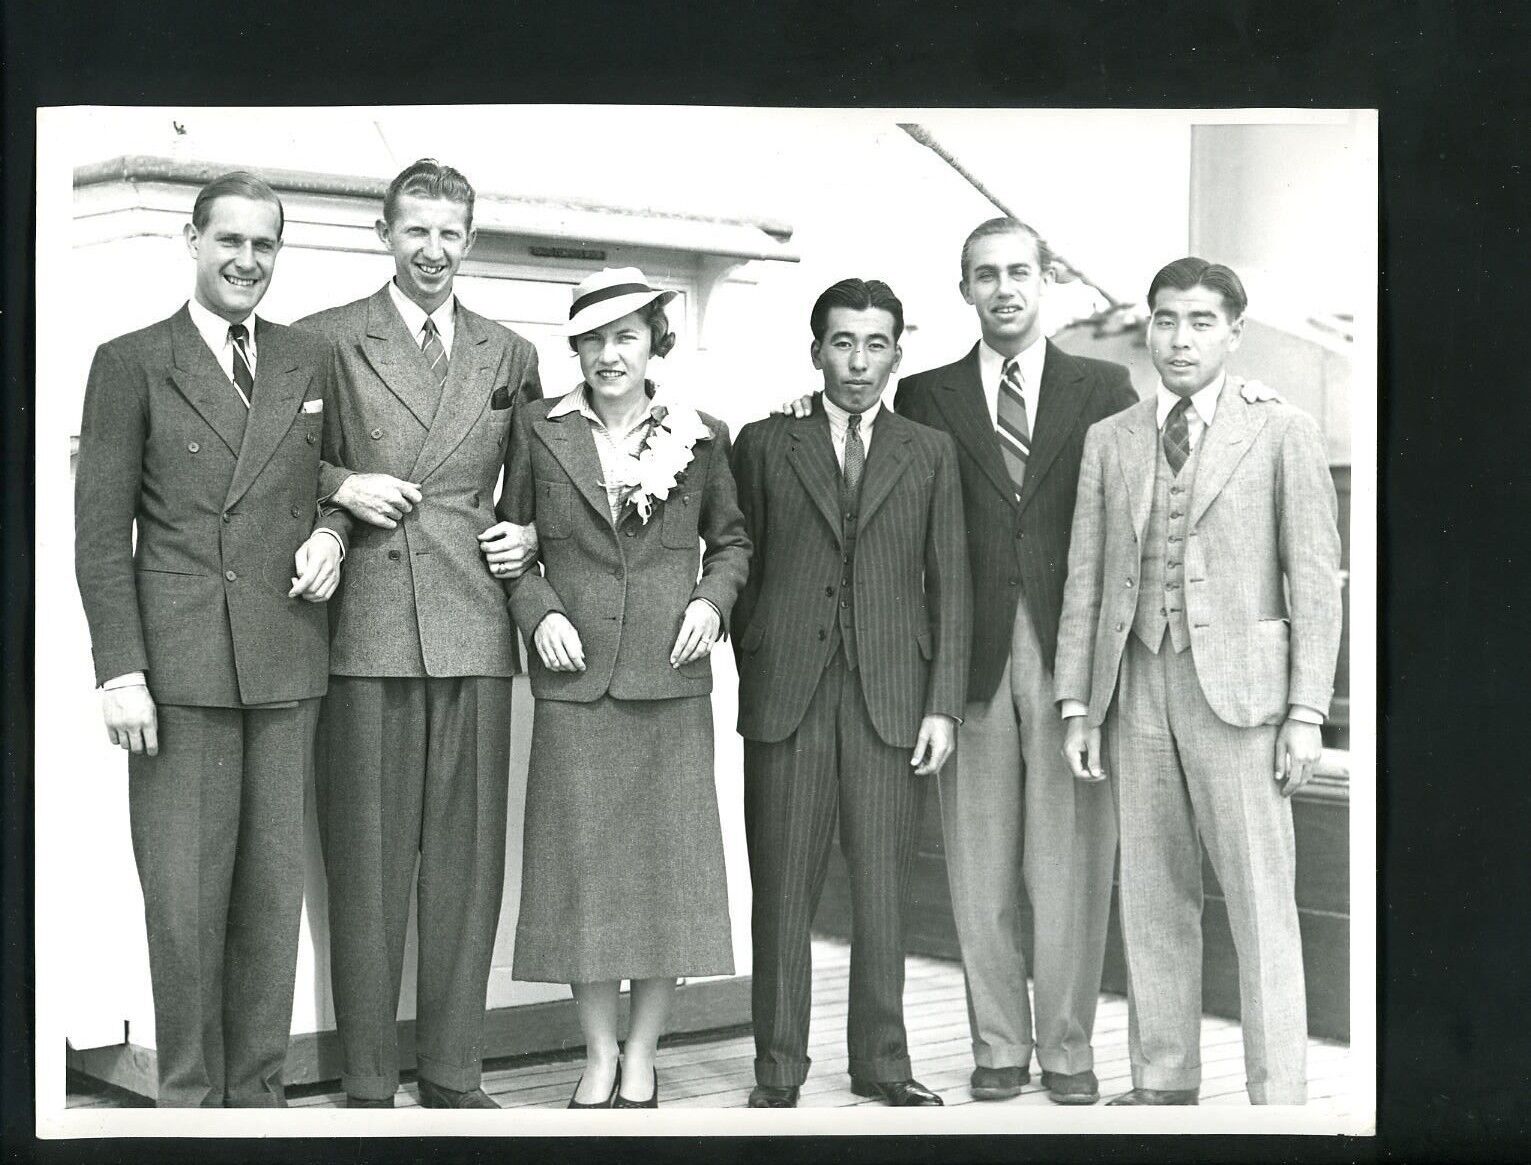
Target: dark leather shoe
[[898, 1093], [998, 1083], [1071, 1087], [620, 1101], [769, 1096], [435, 1096], [607, 1103], [368, 1102], [1157, 1096]]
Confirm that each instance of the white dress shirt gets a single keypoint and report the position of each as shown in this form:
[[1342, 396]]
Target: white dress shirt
[[839, 425], [214, 330], [1198, 419], [991, 370], [445, 318]]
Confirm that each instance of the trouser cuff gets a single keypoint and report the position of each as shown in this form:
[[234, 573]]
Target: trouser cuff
[[781, 1074], [882, 1071], [372, 1087], [1067, 1062], [1166, 1079], [457, 1077], [992, 1055]]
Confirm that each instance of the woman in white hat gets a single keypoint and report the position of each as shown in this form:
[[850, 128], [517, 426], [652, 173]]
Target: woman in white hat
[[643, 552]]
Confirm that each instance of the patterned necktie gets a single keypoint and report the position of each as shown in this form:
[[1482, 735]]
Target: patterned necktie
[[1014, 432], [1177, 435], [855, 458], [245, 382], [435, 353]]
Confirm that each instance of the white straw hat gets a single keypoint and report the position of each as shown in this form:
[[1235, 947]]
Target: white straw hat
[[610, 294]]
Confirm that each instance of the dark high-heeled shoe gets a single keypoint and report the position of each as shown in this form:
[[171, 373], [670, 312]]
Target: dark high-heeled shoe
[[609, 1102], [620, 1101]]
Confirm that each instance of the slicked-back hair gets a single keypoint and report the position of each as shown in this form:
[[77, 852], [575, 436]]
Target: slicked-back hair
[[1006, 226], [1184, 274], [858, 295], [235, 184], [428, 178], [661, 339]]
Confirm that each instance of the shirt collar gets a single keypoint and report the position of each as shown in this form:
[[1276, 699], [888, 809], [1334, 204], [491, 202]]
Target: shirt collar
[[1204, 401], [841, 417], [414, 315], [213, 328], [991, 364], [578, 401]]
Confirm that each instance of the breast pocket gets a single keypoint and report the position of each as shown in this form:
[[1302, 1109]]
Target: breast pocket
[[554, 517], [680, 531]]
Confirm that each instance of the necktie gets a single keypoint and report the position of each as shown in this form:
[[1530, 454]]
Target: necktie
[[855, 457], [435, 353], [1014, 432], [1177, 435], [243, 380]]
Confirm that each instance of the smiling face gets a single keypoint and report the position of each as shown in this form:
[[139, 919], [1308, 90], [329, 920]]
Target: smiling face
[[1005, 282], [857, 356], [429, 237], [235, 253], [1190, 337], [614, 358]]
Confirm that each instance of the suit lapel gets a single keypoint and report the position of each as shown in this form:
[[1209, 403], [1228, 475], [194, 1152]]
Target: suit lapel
[[198, 378], [279, 385], [570, 440], [960, 399], [464, 396], [812, 457], [395, 357], [1060, 397], [1222, 447], [1137, 444], [887, 458]]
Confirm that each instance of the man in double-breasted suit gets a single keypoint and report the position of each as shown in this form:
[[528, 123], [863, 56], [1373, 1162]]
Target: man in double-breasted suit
[[415, 742], [1201, 625], [852, 636], [1018, 408], [203, 433]]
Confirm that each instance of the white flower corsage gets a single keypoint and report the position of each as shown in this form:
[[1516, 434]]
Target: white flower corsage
[[1254, 392], [663, 456]]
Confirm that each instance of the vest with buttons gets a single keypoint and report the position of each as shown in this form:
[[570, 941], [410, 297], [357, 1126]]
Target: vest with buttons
[[1161, 578], [845, 623]]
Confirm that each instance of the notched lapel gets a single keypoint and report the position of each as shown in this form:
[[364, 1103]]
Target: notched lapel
[[1231, 435], [1059, 399], [960, 399], [279, 385], [197, 377], [570, 440], [887, 458], [463, 398], [395, 357], [1137, 445], [812, 458]]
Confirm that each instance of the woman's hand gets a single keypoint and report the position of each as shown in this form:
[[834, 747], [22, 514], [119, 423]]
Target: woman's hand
[[698, 632], [558, 643]]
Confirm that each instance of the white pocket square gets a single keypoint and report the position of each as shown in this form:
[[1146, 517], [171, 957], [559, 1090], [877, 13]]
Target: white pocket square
[[313, 406]]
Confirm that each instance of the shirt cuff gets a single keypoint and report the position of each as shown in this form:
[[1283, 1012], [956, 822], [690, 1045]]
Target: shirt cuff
[[1305, 714], [339, 541], [1072, 708], [132, 679]]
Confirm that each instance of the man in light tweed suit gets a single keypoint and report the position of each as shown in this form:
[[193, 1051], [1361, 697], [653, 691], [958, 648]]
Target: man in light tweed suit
[[852, 640], [1201, 625], [415, 741]]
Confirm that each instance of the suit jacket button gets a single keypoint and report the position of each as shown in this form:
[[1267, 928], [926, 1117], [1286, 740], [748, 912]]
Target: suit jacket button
[[1128, 583], [377, 434], [230, 575], [1015, 582], [1121, 626], [297, 511], [822, 634], [630, 532], [393, 555], [193, 447], [309, 437], [227, 518], [829, 592]]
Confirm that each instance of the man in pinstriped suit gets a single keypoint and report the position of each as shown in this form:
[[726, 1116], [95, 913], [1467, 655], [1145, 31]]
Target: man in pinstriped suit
[[852, 639]]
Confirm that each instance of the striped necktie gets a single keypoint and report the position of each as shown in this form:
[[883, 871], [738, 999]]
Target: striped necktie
[[243, 380], [435, 353], [1014, 432]]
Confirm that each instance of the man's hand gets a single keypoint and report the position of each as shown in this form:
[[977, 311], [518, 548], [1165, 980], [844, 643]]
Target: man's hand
[[933, 747], [378, 499], [1082, 749], [800, 407], [1298, 747], [558, 643], [131, 720], [509, 549], [698, 632], [318, 565]]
